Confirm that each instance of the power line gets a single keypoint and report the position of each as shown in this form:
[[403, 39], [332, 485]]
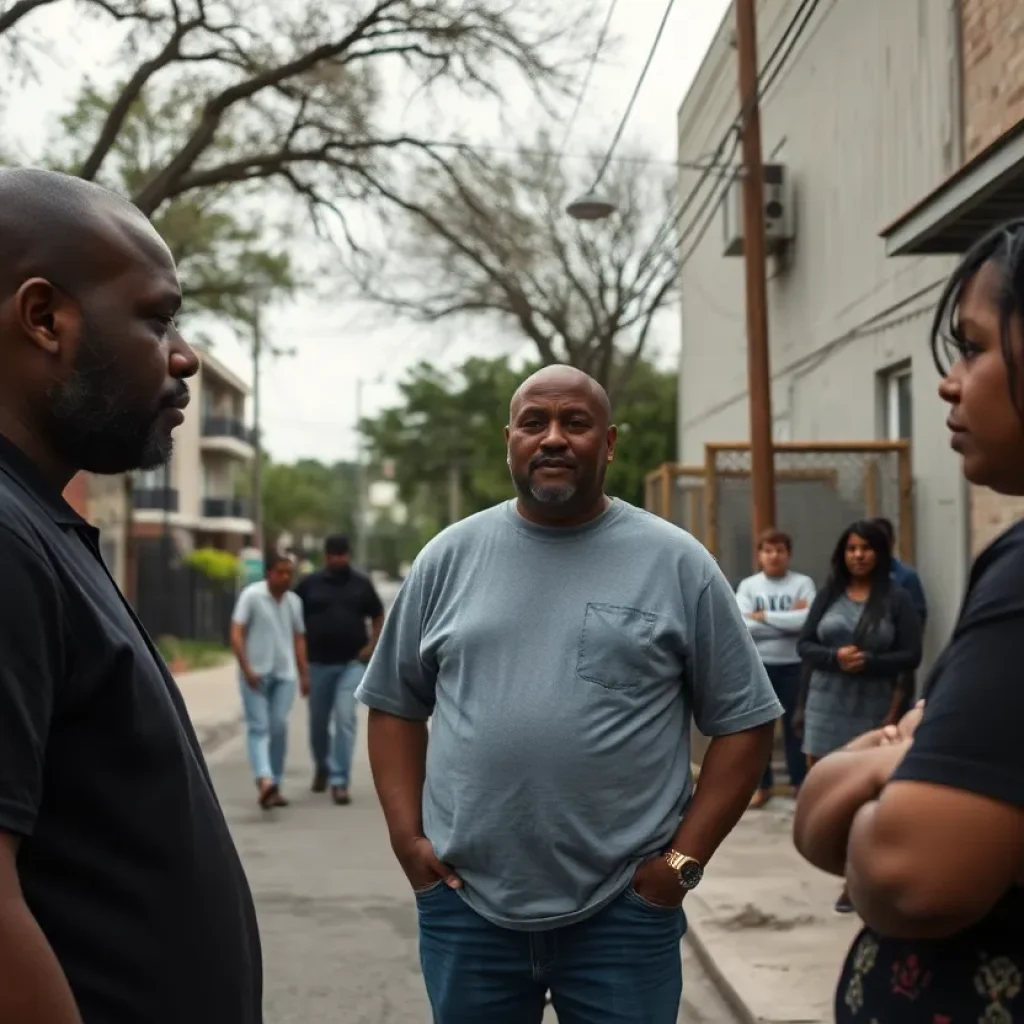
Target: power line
[[636, 92], [693, 165], [769, 74], [586, 81]]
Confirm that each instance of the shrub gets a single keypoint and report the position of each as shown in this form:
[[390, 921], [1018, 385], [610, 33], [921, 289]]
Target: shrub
[[215, 565]]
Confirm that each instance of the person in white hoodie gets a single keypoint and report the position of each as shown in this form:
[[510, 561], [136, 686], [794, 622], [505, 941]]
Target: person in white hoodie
[[774, 604]]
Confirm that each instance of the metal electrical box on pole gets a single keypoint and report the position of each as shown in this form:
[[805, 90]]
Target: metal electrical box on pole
[[762, 460]]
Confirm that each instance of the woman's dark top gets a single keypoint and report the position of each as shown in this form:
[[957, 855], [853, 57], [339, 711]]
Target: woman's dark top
[[843, 705], [971, 738]]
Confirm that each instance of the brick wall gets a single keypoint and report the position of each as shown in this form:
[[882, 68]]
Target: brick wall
[[993, 70]]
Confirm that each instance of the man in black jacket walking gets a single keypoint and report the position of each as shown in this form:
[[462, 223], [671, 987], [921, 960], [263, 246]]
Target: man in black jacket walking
[[338, 602]]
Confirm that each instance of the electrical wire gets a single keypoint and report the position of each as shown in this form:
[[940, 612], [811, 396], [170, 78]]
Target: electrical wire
[[767, 77], [632, 100], [586, 81]]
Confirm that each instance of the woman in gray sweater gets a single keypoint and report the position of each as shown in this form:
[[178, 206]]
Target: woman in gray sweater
[[861, 636]]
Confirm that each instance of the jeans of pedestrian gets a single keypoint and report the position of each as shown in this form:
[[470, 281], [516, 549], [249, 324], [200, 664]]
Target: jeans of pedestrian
[[332, 718], [621, 966], [266, 719], [786, 681]]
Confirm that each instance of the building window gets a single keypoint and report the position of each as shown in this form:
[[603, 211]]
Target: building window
[[898, 404], [152, 479]]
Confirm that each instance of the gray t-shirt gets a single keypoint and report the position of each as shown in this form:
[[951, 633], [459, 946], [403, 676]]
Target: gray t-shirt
[[560, 668], [270, 628]]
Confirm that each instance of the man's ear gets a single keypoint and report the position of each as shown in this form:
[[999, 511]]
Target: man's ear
[[613, 437], [46, 317]]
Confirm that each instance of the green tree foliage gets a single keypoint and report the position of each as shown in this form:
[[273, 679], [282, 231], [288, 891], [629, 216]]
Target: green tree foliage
[[309, 497], [451, 424], [214, 564], [221, 247]]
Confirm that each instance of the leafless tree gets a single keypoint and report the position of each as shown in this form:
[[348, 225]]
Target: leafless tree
[[294, 93], [486, 233]]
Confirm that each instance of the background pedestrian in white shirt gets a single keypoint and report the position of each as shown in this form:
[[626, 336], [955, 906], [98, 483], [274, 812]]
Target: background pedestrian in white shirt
[[774, 605]]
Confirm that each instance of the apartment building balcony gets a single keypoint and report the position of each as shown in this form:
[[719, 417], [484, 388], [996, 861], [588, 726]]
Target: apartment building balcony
[[226, 515], [154, 499], [228, 435]]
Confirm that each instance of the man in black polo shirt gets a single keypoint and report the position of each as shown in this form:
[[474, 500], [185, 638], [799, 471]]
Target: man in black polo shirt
[[122, 898], [337, 603]]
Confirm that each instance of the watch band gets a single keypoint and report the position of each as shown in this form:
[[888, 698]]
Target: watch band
[[689, 869]]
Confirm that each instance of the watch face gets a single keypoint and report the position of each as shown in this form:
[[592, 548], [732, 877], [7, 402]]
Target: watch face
[[690, 874]]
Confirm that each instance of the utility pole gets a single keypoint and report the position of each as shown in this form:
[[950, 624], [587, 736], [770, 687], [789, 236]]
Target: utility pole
[[454, 490], [257, 429], [759, 381], [361, 482]]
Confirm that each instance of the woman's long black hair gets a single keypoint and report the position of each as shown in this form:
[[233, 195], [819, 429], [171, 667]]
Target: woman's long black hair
[[839, 578], [1003, 247]]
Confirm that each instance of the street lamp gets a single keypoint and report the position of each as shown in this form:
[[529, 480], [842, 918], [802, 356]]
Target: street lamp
[[590, 206], [362, 456]]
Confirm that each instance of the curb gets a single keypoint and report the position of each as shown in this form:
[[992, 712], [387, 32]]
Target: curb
[[733, 1000], [213, 738]]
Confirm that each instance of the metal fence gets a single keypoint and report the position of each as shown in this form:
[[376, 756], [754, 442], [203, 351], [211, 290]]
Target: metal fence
[[174, 599], [819, 490], [676, 493]]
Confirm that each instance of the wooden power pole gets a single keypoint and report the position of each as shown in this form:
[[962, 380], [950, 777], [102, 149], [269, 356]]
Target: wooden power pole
[[259, 540], [759, 381]]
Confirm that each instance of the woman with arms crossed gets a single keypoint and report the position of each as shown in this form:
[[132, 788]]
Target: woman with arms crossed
[[926, 819]]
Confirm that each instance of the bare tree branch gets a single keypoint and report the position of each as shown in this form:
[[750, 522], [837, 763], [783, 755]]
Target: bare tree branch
[[490, 236], [14, 14]]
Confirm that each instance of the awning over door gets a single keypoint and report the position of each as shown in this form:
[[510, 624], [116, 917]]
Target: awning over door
[[984, 192]]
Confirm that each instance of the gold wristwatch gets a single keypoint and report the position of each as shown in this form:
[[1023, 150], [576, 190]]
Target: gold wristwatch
[[689, 870]]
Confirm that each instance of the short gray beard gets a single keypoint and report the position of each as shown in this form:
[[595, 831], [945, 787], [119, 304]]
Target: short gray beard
[[553, 495]]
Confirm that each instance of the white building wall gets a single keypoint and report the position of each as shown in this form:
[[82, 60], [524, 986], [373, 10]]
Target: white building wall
[[864, 117]]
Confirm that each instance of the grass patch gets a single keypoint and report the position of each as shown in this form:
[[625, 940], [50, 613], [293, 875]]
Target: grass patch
[[190, 655]]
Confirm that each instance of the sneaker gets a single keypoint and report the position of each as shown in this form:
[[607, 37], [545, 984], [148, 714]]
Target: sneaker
[[319, 781], [339, 794], [843, 905]]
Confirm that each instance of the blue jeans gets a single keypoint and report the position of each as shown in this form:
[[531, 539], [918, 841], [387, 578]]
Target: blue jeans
[[621, 966], [786, 681], [332, 701], [266, 719]]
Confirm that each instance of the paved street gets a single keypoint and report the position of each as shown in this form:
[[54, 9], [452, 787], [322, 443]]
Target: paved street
[[338, 924]]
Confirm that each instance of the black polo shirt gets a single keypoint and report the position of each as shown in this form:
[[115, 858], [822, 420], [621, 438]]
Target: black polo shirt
[[335, 607], [125, 860]]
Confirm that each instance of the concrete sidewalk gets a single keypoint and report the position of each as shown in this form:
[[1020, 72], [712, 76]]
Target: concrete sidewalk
[[214, 703], [763, 925]]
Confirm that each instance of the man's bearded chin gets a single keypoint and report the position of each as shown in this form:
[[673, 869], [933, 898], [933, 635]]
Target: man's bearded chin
[[94, 429], [545, 494]]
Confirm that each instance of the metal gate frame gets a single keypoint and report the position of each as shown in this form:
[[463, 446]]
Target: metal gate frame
[[905, 540]]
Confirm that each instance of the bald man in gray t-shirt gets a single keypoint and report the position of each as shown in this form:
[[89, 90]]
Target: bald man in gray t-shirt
[[560, 667]]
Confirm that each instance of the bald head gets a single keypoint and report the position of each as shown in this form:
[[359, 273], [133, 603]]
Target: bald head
[[560, 441], [94, 365], [64, 229], [562, 378]]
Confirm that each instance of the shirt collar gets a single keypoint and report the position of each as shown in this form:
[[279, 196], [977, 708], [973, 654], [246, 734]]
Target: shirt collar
[[16, 465]]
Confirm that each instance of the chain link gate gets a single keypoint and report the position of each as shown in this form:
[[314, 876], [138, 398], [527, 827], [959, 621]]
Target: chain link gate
[[819, 490]]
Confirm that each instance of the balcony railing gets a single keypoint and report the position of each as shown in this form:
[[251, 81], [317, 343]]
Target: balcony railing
[[163, 499], [227, 508], [227, 426]]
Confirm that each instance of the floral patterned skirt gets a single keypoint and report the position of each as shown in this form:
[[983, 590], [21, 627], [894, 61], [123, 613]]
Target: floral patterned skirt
[[970, 981]]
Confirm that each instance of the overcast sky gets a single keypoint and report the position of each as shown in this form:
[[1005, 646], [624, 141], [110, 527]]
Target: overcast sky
[[309, 403]]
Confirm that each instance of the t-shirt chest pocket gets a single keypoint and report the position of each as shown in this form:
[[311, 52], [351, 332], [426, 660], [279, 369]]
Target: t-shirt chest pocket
[[615, 646]]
